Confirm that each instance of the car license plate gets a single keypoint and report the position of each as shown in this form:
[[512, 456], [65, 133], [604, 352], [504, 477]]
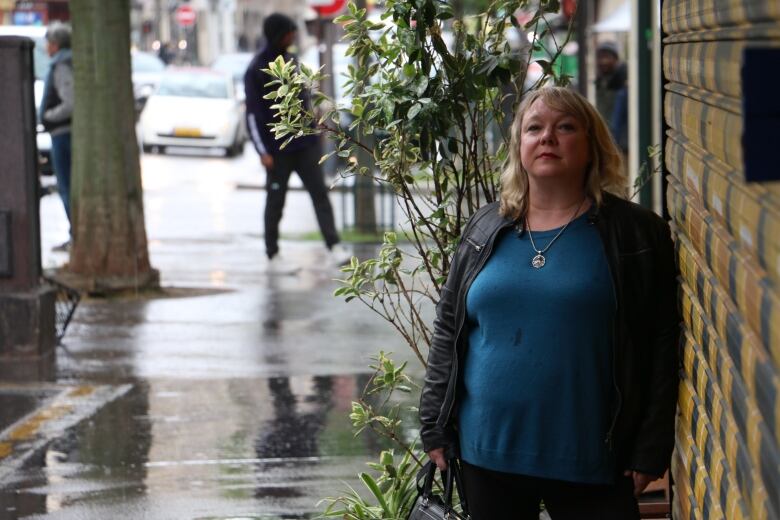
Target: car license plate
[[186, 132]]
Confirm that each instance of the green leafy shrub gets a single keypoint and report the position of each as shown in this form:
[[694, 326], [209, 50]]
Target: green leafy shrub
[[435, 97]]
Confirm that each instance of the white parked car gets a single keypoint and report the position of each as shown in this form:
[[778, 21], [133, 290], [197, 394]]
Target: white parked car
[[195, 108], [146, 69], [234, 64], [41, 68]]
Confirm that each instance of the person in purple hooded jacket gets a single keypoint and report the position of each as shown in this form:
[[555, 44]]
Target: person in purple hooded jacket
[[301, 155]]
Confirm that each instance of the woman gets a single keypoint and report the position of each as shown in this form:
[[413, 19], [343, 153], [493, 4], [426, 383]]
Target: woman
[[553, 367]]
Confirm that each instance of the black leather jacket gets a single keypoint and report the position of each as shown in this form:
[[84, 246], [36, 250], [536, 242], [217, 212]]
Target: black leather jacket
[[640, 254]]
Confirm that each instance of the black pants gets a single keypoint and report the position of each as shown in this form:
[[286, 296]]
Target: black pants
[[494, 495], [305, 163]]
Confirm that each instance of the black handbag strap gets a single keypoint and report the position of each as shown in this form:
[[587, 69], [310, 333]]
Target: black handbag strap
[[426, 475], [452, 480], [458, 476], [448, 477]]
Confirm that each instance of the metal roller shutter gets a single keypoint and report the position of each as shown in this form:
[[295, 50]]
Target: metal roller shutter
[[727, 238]]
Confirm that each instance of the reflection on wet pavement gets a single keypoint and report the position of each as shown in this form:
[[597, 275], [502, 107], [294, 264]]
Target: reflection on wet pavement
[[240, 397], [235, 448]]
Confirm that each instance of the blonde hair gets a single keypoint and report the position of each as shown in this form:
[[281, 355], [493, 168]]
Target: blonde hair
[[605, 170]]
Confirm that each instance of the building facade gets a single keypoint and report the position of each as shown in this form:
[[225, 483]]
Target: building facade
[[221, 26], [33, 12]]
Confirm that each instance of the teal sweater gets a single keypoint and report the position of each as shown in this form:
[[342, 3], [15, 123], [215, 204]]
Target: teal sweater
[[537, 384]]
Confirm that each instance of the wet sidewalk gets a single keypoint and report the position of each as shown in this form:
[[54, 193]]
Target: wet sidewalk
[[226, 399]]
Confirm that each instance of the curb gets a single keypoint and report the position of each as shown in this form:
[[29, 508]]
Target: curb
[[32, 433]]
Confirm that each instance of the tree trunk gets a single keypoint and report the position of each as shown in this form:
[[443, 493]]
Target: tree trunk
[[109, 237], [365, 210]]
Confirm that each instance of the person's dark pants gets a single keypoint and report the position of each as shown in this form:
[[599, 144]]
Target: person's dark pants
[[494, 495], [305, 163], [60, 158]]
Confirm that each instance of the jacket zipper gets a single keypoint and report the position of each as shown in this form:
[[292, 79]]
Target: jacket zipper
[[619, 395], [476, 246], [608, 439], [461, 297]]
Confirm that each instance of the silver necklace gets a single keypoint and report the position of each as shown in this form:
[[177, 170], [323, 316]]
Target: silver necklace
[[539, 260]]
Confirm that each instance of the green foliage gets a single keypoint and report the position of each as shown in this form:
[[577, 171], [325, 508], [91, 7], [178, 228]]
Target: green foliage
[[394, 490], [438, 113], [646, 171], [435, 97], [386, 380]]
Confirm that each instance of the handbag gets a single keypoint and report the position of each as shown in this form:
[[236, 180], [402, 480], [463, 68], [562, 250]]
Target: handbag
[[428, 506]]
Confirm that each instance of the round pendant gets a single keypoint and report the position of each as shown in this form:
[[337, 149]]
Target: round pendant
[[538, 261]]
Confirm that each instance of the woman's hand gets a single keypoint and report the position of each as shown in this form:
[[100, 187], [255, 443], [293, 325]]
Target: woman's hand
[[437, 456], [641, 480]]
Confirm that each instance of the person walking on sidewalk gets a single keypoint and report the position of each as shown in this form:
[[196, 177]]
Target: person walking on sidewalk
[[552, 372], [56, 109], [611, 78], [301, 155]]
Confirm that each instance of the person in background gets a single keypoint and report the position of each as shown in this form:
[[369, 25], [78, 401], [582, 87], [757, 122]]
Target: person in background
[[301, 155], [243, 43], [618, 123], [56, 109], [611, 77], [167, 53], [552, 369]]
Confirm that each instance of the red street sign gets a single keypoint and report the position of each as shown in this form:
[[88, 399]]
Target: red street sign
[[330, 7], [185, 15]]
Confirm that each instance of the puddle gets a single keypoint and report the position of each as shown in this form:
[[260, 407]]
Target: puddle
[[264, 448]]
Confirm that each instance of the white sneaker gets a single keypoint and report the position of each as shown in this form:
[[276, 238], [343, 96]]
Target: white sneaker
[[339, 256]]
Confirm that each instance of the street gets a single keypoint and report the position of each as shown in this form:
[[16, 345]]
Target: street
[[231, 392]]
